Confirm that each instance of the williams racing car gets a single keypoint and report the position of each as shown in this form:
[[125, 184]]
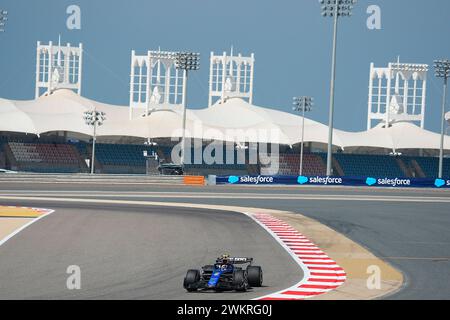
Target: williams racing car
[[225, 274]]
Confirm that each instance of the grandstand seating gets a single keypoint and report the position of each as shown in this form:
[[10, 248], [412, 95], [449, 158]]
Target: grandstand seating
[[2, 160], [56, 153], [45, 157], [228, 163], [312, 164], [120, 158], [82, 148], [368, 165], [120, 154], [39, 155], [2, 154], [430, 166]]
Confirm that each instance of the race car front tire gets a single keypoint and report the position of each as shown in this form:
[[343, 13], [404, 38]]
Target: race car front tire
[[191, 280], [254, 276]]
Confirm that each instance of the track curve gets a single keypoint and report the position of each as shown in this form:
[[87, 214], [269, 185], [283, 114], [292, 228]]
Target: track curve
[[134, 252]]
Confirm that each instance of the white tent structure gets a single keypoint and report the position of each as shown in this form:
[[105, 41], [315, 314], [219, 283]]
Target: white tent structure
[[236, 120], [63, 111], [269, 125], [233, 120], [399, 135]]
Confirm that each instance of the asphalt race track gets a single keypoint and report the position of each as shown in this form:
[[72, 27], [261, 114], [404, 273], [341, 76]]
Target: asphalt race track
[[134, 253], [121, 249]]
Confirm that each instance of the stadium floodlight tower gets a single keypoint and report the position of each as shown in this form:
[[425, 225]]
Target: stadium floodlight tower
[[397, 93], [302, 104], [186, 61], [3, 18], [334, 9], [155, 83], [58, 67], [94, 118], [230, 76], [442, 69]]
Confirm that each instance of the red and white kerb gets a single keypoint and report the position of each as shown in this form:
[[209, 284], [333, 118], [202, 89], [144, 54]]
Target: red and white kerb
[[321, 273]]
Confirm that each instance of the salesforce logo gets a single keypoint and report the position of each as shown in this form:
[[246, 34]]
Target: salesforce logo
[[319, 180], [371, 181], [302, 179], [250, 179], [439, 183], [395, 182], [233, 179]]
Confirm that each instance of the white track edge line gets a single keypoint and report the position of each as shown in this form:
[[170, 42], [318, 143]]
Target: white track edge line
[[15, 232]]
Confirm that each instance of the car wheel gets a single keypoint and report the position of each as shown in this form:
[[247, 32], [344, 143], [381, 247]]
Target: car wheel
[[254, 276], [191, 279], [240, 280]]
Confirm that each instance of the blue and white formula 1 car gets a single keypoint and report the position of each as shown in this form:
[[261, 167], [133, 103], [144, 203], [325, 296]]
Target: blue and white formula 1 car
[[224, 275]]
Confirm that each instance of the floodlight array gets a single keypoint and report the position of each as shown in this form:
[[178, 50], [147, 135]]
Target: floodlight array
[[187, 61], [93, 117], [442, 68], [302, 103], [156, 54], [410, 67], [3, 18], [344, 7]]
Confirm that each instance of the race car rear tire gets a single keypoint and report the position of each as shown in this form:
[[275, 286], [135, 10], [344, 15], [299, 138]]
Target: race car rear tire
[[240, 280], [254, 276], [191, 279]]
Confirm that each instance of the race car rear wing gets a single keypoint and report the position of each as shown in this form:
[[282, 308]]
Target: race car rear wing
[[241, 260]]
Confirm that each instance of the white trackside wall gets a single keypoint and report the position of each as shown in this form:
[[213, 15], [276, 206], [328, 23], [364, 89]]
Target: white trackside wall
[[397, 93], [230, 76], [58, 67], [155, 83]]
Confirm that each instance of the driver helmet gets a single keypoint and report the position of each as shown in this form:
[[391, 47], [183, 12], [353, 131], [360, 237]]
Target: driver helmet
[[225, 258]]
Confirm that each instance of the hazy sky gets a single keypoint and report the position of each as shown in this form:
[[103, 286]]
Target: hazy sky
[[290, 39]]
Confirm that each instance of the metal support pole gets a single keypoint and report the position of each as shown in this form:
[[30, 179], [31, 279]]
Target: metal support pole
[[93, 147], [302, 104], [303, 135], [185, 61], [333, 78], [183, 139], [441, 150]]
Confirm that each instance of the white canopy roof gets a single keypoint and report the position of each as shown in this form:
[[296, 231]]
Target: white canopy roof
[[400, 135], [234, 120]]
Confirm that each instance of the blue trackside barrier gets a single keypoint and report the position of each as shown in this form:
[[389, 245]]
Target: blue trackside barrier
[[335, 181]]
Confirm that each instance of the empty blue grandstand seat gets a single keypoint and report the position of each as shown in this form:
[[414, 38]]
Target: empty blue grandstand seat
[[368, 165], [121, 154], [226, 161], [430, 166]]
